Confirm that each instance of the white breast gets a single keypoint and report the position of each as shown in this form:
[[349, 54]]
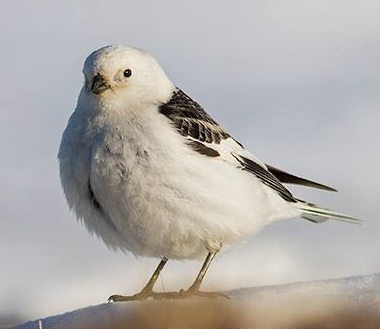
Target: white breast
[[158, 196]]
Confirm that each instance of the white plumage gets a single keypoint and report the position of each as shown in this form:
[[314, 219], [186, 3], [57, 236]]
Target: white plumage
[[133, 177]]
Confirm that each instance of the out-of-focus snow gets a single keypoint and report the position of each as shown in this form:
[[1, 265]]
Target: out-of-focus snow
[[279, 303], [352, 291]]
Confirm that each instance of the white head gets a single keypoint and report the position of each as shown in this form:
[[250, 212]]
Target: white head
[[123, 76]]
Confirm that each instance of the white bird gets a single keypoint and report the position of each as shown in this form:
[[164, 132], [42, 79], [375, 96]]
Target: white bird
[[149, 171]]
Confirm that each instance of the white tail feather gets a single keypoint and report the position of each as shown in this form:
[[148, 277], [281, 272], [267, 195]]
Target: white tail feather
[[318, 214]]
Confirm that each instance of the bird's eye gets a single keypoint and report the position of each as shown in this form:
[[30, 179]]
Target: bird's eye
[[127, 73]]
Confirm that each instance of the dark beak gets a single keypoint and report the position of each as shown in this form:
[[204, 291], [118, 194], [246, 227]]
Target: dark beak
[[99, 85]]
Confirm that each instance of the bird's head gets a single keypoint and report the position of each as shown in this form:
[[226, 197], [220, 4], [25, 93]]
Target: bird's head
[[125, 76]]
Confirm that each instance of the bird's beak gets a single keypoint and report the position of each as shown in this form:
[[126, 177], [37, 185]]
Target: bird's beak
[[99, 85]]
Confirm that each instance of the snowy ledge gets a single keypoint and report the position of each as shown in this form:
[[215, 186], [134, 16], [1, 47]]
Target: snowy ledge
[[341, 301]]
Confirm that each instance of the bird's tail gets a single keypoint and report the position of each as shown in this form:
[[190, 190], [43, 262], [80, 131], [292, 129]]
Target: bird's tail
[[318, 214]]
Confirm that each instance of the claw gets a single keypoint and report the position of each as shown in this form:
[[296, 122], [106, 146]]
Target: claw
[[121, 298]]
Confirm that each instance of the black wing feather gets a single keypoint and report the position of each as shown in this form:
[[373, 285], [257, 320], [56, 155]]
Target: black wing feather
[[285, 177], [265, 177], [191, 119], [203, 149]]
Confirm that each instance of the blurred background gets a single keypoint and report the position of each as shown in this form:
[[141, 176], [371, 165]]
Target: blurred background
[[296, 82]]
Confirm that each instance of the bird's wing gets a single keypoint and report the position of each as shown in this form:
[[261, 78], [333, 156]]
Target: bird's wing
[[191, 120], [285, 177], [205, 136]]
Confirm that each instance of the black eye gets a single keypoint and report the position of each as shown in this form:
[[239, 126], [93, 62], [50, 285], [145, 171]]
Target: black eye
[[127, 73]]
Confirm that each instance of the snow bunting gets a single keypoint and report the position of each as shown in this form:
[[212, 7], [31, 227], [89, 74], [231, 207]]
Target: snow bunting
[[149, 171]]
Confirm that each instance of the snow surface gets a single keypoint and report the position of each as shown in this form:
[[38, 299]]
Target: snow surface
[[359, 293]]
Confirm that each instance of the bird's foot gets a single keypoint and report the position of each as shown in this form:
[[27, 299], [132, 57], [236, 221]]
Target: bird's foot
[[142, 295], [182, 294]]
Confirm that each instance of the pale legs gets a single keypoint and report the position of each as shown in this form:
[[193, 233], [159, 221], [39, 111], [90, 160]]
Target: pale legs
[[147, 291]]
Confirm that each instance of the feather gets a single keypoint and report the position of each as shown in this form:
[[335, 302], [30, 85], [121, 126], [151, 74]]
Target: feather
[[285, 177], [203, 149], [265, 177], [318, 214], [190, 119]]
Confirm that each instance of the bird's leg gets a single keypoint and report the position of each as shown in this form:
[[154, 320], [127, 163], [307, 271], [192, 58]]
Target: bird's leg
[[149, 286], [193, 290], [147, 291], [206, 264]]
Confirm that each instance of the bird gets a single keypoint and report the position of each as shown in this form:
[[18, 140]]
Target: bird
[[149, 171]]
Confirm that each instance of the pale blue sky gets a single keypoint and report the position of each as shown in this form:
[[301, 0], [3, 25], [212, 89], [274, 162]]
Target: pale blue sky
[[297, 82]]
